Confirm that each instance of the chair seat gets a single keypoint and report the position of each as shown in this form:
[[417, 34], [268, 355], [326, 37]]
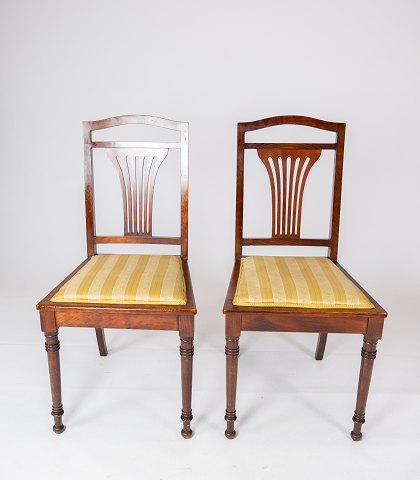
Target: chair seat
[[129, 279], [301, 282]]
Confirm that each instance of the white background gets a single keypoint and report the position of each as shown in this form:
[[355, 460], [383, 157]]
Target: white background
[[211, 64]]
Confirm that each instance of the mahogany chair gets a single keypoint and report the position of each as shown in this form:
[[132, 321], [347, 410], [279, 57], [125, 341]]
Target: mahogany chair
[[151, 292], [295, 294]]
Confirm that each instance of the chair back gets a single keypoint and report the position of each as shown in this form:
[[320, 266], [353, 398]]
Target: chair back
[[288, 166], [137, 165]]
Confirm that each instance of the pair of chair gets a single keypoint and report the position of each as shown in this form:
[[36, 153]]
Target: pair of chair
[[288, 294]]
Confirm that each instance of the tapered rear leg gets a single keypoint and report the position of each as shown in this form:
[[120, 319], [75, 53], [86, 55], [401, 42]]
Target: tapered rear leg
[[100, 337], [52, 346], [320, 347], [186, 333]]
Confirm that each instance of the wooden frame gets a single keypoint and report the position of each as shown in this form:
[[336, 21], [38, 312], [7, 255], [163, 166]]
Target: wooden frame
[[99, 316], [369, 322]]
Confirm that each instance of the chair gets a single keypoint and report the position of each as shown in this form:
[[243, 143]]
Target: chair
[[150, 292], [295, 294]]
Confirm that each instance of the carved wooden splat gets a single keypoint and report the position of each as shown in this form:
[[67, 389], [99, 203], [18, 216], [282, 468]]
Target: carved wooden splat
[[288, 170], [137, 170]]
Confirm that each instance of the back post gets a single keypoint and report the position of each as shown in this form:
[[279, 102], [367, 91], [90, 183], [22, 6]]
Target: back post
[[337, 188], [89, 194]]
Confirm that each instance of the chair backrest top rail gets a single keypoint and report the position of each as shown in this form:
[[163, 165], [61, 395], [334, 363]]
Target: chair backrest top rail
[[136, 119], [289, 120]]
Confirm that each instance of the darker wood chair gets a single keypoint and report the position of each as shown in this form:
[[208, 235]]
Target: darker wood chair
[[288, 165], [137, 164]]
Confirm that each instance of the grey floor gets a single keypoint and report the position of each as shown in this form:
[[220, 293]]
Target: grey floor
[[122, 411]]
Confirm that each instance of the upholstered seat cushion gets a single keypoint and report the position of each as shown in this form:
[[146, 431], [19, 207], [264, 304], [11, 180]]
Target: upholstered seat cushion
[[142, 279], [303, 282]]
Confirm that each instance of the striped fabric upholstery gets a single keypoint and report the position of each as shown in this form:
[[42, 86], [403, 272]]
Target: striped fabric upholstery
[[133, 279], [305, 282]]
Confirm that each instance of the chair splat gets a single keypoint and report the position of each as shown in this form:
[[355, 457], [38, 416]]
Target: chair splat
[[287, 170], [137, 170]]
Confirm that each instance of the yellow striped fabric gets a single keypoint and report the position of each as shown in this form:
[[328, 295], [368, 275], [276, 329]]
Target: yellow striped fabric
[[305, 282], [142, 279]]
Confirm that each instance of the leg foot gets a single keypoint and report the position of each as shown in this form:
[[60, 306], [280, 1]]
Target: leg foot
[[356, 436], [366, 367], [230, 418], [186, 434], [186, 417], [59, 429], [320, 347]]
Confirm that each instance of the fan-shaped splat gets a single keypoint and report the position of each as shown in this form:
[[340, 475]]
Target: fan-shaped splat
[[287, 171], [137, 170]]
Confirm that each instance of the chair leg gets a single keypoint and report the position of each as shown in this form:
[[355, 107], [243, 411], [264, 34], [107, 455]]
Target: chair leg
[[100, 337], [232, 353], [320, 347], [186, 333], [368, 357], [52, 346]]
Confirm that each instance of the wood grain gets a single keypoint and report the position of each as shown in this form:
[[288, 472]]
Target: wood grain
[[137, 164], [287, 176]]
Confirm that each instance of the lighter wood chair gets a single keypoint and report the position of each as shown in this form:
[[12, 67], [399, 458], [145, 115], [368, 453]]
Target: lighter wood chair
[[127, 291], [295, 294]]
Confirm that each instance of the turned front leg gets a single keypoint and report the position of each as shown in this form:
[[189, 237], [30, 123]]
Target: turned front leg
[[187, 352], [232, 353], [368, 357], [52, 346], [186, 333]]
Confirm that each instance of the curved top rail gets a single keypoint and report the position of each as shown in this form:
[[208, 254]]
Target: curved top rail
[[135, 119], [290, 120]]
